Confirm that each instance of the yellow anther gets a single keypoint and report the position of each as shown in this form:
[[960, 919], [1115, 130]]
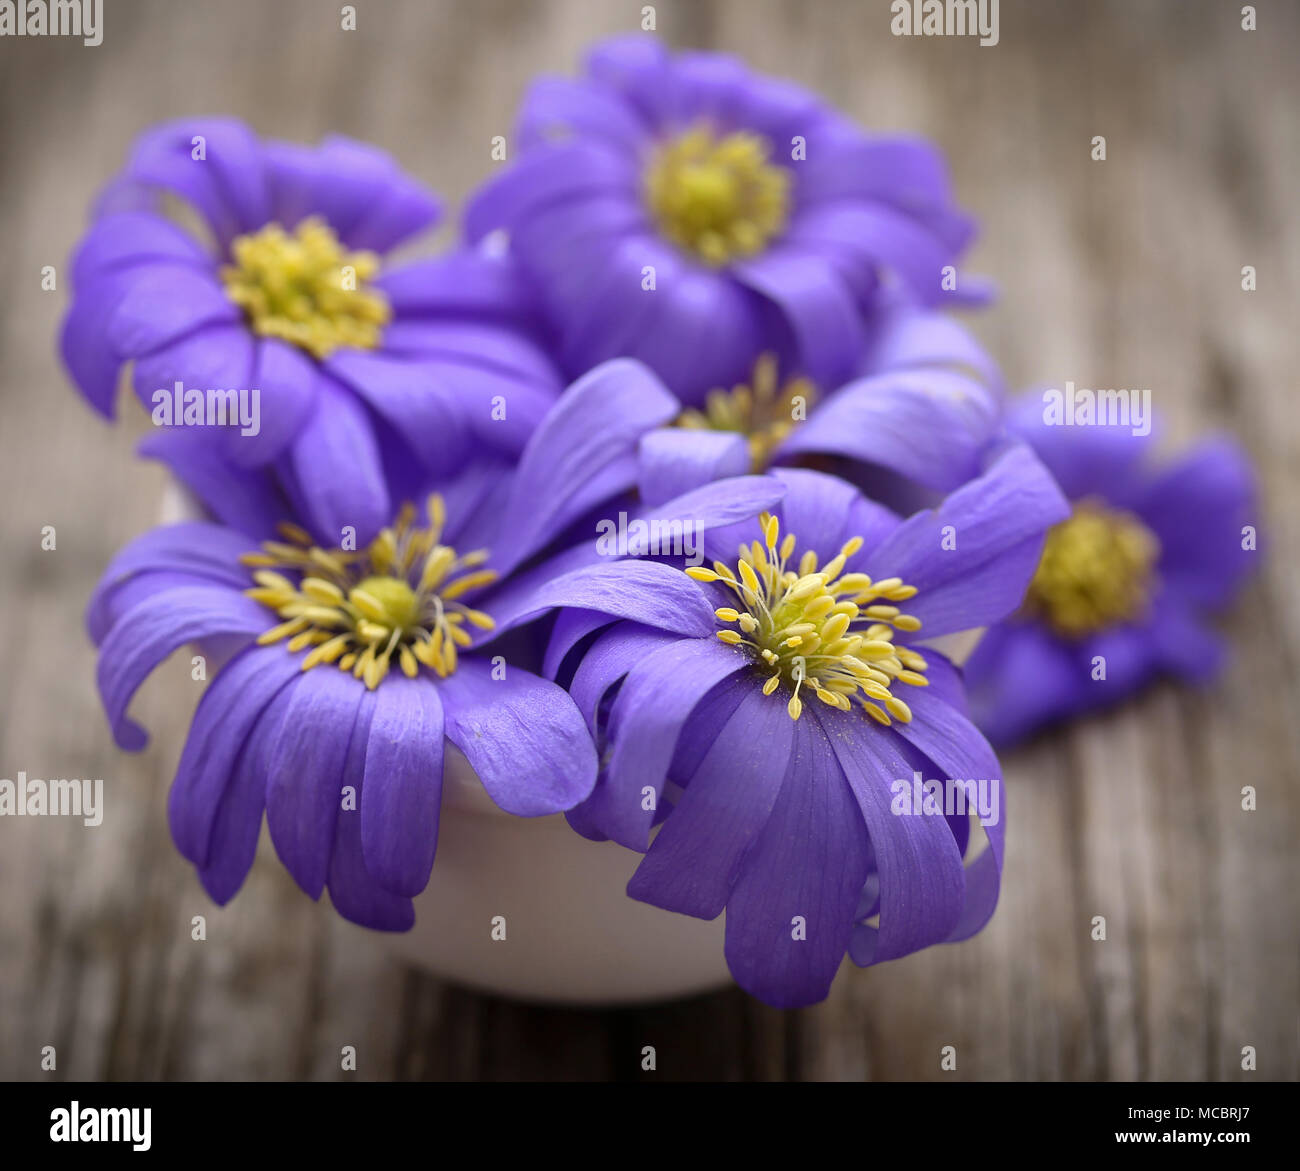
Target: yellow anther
[[764, 413], [307, 289], [720, 198], [394, 600], [1097, 570], [811, 629]]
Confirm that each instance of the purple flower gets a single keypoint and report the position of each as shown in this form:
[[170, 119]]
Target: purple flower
[[1125, 583], [916, 418], [686, 212], [357, 366], [344, 669], [770, 751]]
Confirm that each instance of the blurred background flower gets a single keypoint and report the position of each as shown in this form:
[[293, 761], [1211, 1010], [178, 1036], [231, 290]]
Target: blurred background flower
[[693, 213], [1126, 586]]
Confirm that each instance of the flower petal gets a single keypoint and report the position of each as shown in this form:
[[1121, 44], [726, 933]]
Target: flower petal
[[1084, 460], [522, 734], [816, 305], [643, 591], [288, 382], [610, 657], [972, 557], [227, 713], [674, 460], [336, 461], [147, 633], [875, 236], [115, 243], [922, 886], [956, 746], [209, 553], [237, 823], [226, 183], [353, 890], [304, 772], [929, 425], [790, 914], [907, 338], [1021, 676], [162, 304], [556, 108], [657, 698], [356, 188], [694, 861], [403, 784], [1198, 509], [246, 500], [599, 418]]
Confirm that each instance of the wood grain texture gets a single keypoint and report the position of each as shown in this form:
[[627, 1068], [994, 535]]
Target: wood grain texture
[[1122, 273]]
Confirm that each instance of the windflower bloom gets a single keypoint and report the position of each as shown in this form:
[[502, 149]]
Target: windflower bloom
[[685, 211], [345, 669], [921, 411], [1125, 583], [358, 365], [765, 742]]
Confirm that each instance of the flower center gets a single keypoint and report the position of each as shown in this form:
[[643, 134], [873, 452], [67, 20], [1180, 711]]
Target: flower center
[[1097, 570], [717, 197], [765, 412], [306, 288], [398, 596], [816, 628]]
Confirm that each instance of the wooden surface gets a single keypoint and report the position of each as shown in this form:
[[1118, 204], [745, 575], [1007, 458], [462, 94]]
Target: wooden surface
[[1122, 273]]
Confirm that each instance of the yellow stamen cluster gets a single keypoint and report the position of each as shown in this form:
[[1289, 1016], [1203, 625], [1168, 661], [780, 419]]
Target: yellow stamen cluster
[[1097, 570], [824, 629], [306, 288], [765, 412], [720, 198], [399, 596]]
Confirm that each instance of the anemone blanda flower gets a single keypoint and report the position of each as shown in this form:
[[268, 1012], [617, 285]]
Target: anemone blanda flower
[[1126, 582], [348, 667], [921, 410], [766, 217], [357, 364], [767, 750]]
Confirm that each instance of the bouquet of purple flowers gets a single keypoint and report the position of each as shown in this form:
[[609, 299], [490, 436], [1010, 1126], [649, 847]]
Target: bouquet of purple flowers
[[658, 499]]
